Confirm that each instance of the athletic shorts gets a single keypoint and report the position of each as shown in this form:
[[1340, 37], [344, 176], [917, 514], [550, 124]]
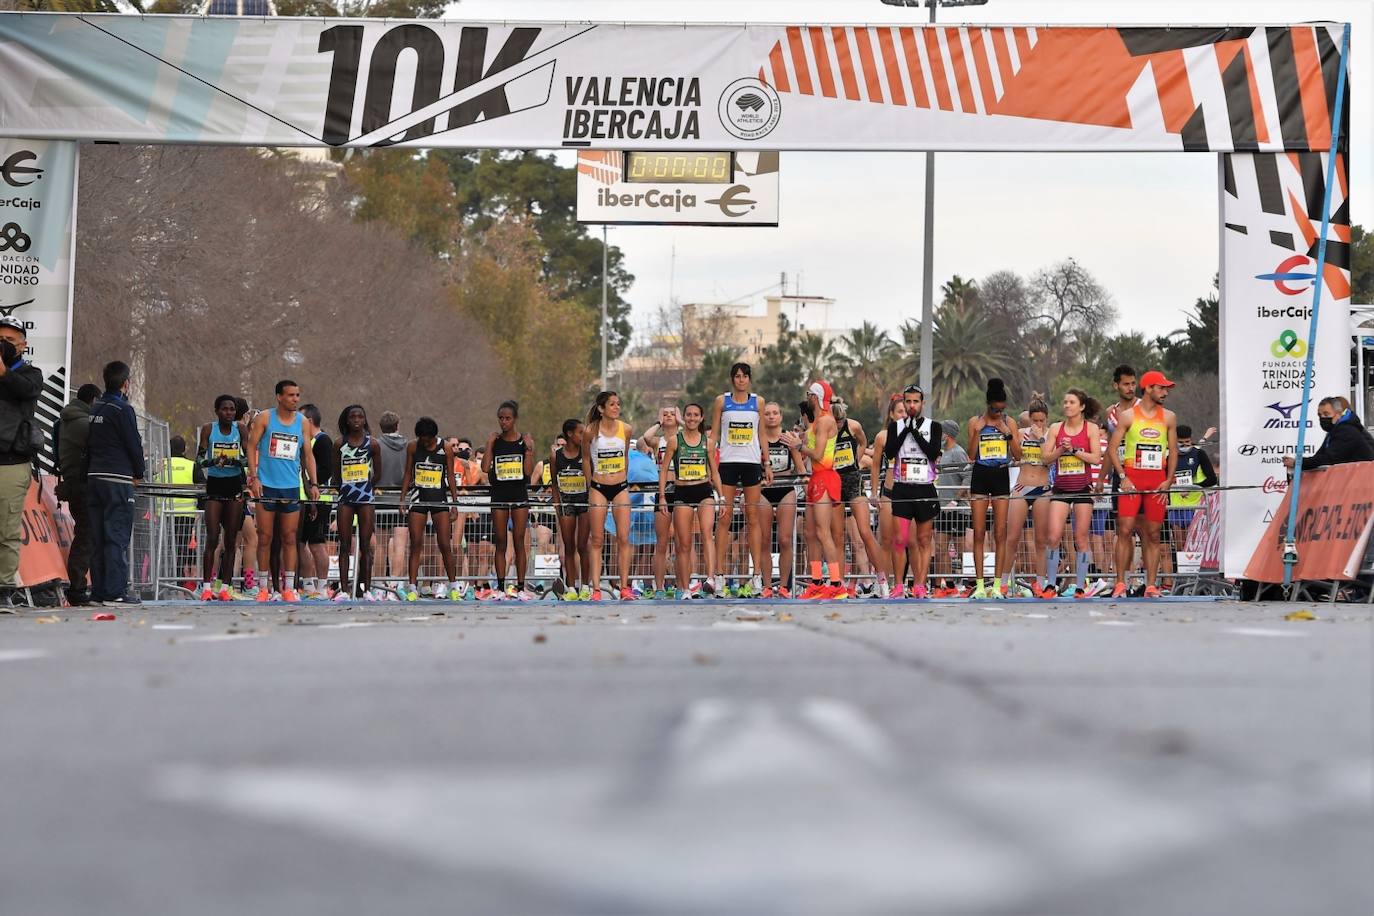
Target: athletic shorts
[[510, 497], [690, 496], [1154, 505], [280, 499], [990, 481], [851, 486], [566, 509], [776, 495], [428, 511], [1030, 494], [918, 502], [740, 474], [223, 488], [1100, 519], [315, 530], [610, 490], [823, 482], [1181, 518], [1075, 498]]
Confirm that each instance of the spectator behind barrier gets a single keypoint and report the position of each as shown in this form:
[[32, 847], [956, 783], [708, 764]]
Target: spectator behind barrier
[[73, 433], [1346, 438], [114, 468], [21, 440]]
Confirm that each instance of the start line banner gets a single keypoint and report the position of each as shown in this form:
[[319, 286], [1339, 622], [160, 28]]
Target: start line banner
[[437, 83]]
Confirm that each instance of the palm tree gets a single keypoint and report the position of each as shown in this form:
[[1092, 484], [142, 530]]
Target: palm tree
[[867, 349], [818, 356], [968, 351], [959, 291]]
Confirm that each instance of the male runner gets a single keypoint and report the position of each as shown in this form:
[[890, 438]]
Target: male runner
[[276, 454], [1144, 451], [912, 446], [312, 558], [1123, 383], [736, 418]]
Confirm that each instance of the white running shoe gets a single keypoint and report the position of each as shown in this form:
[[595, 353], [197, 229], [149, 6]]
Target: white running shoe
[[441, 591]]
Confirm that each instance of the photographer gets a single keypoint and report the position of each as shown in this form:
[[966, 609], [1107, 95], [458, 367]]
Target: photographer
[[21, 383]]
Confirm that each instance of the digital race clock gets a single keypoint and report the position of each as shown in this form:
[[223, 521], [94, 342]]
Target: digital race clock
[[694, 168]]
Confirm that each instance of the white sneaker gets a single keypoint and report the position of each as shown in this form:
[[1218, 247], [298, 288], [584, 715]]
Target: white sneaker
[[884, 588], [441, 590]]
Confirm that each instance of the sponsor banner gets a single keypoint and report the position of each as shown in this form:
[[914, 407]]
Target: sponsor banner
[[353, 82], [1335, 512], [37, 216], [45, 535], [657, 188], [1271, 210], [1204, 532]]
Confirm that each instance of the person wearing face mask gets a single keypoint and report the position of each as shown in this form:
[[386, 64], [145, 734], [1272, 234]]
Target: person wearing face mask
[[1346, 438], [21, 383]]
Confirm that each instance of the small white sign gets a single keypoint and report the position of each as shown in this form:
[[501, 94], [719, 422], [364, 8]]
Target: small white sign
[[678, 188]]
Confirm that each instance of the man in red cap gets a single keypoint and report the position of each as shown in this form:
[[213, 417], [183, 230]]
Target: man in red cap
[[822, 492], [1149, 434]]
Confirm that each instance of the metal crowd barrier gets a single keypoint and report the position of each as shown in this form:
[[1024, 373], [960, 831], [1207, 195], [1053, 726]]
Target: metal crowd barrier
[[178, 537]]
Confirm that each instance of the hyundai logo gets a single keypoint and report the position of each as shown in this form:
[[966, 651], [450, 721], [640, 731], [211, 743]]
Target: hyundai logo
[[1247, 450]]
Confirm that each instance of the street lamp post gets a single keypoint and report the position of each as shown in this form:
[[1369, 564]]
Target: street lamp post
[[604, 259], [928, 255]]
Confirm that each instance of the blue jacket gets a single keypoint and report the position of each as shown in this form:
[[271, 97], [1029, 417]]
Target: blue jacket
[[115, 449]]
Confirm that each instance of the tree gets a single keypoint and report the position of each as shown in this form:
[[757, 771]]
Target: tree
[[711, 379], [866, 351], [1065, 300], [410, 193], [1195, 347], [1361, 266], [491, 185], [780, 375], [816, 356], [967, 352]]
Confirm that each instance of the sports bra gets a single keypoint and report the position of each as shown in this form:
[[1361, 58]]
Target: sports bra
[[609, 452]]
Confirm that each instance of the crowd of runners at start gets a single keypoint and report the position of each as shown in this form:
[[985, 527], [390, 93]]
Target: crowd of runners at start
[[1080, 468]]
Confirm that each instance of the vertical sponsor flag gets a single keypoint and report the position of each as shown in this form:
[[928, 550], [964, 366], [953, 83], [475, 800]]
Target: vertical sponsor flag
[[37, 222], [1272, 209]]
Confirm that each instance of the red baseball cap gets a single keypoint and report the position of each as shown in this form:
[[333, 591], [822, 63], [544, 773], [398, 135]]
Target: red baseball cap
[[1155, 377]]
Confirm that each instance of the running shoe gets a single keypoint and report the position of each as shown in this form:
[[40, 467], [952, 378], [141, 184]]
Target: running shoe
[[558, 587], [527, 594], [767, 592], [410, 593], [697, 590], [585, 593], [627, 594], [884, 588], [571, 595], [207, 594], [981, 593], [595, 595], [660, 595], [919, 592], [1020, 591], [342, 598], [512, 592], [1119, 591], [1152, 592], [388, 595], [1048, 593], [1137, 591], [459, 592], [966, 592], [1079, 593], [866, 590], [1099, 588], [225, 594], [441, 591], [784, 592], [264, 596], [898, 593], [290, 596], [671, 592], [835, 593], [688, 595], [812, 592]]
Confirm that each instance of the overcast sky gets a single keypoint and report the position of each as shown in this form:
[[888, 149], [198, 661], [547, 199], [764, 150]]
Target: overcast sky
[[1144, 224]]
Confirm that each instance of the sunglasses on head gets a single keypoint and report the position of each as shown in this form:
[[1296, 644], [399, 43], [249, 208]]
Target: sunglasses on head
[[913, 389]]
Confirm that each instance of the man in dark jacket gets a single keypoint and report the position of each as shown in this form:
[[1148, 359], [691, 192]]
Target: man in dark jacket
[[73, 435], [1346, 438], [114, 468], [21, 383]]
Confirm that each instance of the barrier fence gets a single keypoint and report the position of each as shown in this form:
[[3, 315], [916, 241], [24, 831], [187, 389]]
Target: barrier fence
[[175, 557]]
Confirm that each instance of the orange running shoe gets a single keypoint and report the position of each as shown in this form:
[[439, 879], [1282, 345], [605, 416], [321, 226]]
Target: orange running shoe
[[264, 596], [1151, 592], [783, 592], [290, 596], [207, 595], [1119, 591]]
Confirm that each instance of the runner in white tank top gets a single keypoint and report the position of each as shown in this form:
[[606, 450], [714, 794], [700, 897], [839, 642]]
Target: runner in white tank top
[[736, 423]]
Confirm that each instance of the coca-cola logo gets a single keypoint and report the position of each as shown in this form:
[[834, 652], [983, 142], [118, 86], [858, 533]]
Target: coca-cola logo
[[1275, 485]]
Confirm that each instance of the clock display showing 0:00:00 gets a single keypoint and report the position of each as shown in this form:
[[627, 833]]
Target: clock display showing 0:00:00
[[695, 168]]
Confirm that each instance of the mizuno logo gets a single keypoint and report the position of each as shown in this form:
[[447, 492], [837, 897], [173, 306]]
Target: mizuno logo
[[1285, 412], [8, 310]]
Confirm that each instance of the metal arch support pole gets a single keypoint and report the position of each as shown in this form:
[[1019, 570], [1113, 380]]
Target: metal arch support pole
[[604, 260], [1290, 547], [928, 265]]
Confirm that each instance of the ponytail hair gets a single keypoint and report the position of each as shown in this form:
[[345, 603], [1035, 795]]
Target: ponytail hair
[[1091, 407], [599, 407], [513, 407], [892, 403], [997, 391], [1037, 404]]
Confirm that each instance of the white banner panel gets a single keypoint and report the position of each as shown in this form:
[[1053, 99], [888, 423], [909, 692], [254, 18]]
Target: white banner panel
[[677, 188], [355, 82], [1271, 209], [37, 220]]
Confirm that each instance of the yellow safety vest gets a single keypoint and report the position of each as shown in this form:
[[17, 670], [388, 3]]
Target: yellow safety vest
[[182, 472]]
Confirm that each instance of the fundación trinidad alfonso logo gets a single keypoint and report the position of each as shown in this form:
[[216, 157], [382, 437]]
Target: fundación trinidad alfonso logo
[[749, 108], [1288, 346], [1288, 270]]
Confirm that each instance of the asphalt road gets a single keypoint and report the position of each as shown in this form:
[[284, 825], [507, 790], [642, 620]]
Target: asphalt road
[[1001, 758]]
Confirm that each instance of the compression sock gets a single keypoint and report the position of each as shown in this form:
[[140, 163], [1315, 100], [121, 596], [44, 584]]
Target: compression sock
[[816, 576], [1081, 570], [288, 581], [1052, 566], [264, 579]]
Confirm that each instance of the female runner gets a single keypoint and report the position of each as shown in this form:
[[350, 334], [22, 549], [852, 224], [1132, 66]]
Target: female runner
[[222, 458], [605, 462], [1073, 445], [509, 463], [359, 460]]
